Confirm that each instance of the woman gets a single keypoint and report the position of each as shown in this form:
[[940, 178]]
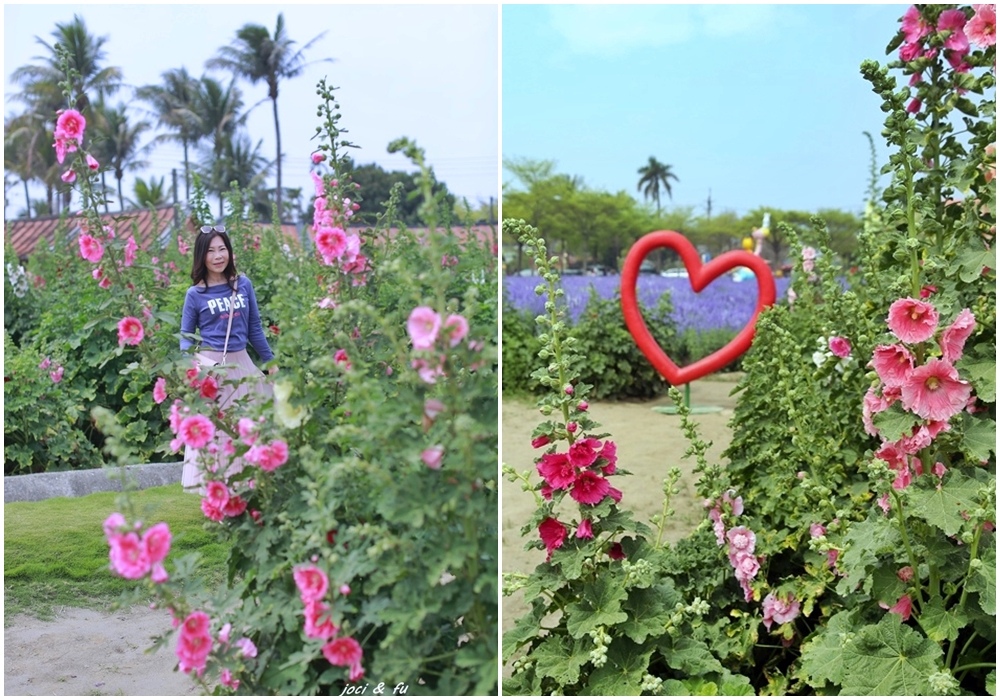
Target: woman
[[222, 307]]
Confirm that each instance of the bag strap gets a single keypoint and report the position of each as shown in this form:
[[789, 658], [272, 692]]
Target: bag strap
[[229, 328]]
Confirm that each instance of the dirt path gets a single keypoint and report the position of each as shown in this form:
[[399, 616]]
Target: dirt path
[[88, 652], [649, 443]]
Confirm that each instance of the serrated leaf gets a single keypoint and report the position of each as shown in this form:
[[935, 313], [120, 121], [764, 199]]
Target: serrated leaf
[[943, 507], [560, 658], [526, 629], [823, 652], [941, 623], [991, 683], [893, 423], [649, 610], [980, 438], [690, 656], [889, 659], [970, 263], [983, 374], [984, 581], [735, 685], [601, 605], [622, 673], [865, 541]]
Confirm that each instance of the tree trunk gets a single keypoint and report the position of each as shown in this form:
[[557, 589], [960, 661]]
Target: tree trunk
[[121, 199], [187, 174], [27, 199], [277, 136]]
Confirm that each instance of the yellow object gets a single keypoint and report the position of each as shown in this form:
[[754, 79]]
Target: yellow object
[[748, 243]]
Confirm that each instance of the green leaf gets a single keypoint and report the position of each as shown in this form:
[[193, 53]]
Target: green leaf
[[601, 604], [941, 623], [526, 629], [865, 541], [889, 659], [893, 423], [823, 652], [991, 683], [735, 684], [984, 581], [980, 438], [983, 373], [690, 656], [971, 262], [622, 673], [649, 610], [561, 658], [943, 507]]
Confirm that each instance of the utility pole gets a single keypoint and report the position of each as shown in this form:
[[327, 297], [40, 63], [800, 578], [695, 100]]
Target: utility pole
[[177, 209], [708, 206]]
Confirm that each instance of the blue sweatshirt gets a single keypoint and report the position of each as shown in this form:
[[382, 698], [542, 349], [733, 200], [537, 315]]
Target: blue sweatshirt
[[207, 310]]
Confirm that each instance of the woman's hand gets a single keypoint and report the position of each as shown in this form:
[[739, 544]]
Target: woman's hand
[[273, 369]]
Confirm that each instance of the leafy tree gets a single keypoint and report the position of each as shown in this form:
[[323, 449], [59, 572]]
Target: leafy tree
[[258, 56], [376, 186], [243, 166], [655, 176], [149, 194], [542, 202], [175, 106], [117, 141], [219, 108]]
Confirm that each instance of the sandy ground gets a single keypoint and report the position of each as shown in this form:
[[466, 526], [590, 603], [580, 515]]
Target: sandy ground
[[649, 443], [87, 652]]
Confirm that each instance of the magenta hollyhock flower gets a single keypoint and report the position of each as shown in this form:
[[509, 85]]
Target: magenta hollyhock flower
[[609, 453], [934, 391], [584, 530], [234, 507], [209, 388], [196, 431], [69, 176], [954, 21], [160, 390], [456, 328], [912, 320], [892, 364], [311, 581], [156, 540], [583, 453], [56, 375], [331, 242], [982, 28], [212, 511], [909, 51], [62, 148], [913, 106], [318, 624], [92, 162], [914, 26], [130, 331], [840, 346], [954, 336], [343, 651], [615, 551], [70, 125], [432, 456], [779, 610], [582, 406], [427, 371], [129, 558], [270, 457], [540, 441], [589, 488], [217, 493], [340, 358], [553, 534], [423, 326], [556, 469], [318, 158], [91, 249]]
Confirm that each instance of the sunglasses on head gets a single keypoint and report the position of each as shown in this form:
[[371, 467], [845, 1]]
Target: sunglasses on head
[[214, 229]]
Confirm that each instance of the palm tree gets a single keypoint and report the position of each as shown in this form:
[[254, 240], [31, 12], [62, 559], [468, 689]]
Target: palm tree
[[117, 142], [174, 103], [24, 138], [244, 167], [91, 81], [256, 55], [654, 177], [219, 110], [149, 194]]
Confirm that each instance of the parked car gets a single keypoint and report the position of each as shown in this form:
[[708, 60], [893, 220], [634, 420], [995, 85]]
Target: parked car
[[675, 272], [647, 268]]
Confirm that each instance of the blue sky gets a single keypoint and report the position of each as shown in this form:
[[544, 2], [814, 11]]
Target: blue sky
[[763, 105], [424, 71]]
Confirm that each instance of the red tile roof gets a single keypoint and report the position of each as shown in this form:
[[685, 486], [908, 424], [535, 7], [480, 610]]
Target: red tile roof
[[484, 233], [147, 225]]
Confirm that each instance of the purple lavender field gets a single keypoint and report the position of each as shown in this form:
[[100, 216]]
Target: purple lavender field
[[724, 304]]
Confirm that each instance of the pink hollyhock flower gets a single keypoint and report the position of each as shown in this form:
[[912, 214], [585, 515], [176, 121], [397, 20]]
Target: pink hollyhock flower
[[840, 347], [104, 283], [779, 610], [423, 326], [540, 441], [70, 126], [903, 607], [582, 406], [457, 328], [340, 357], [584, 530], [209, 388], [870, 405], [816, 530], [217, 493], [318, 624], [130, 331], [311, 581], [226, 679], [553, 533], [345, 590], [954, 21], [62, 148], [331, 242], [892, 364], [571, 427], [246, 646], [589, 488], [182, 246], [883, 503], [939, 470], [609, 453], [56, 375], [735, 502], [718, 526], [746, 566], [583, 453], [92, 162], [615, 494], [982, 28], [69, 176], [912, 320], [934, 391], [352, 253], [919, 438], [234, 507], [160, 390], [905, 574], [156, 540], [196, 431], [91, 249], [130, 250], [45, 364], [556, 469], [113, 524], [914, 26], [432, 456], [318, 158], [742, 540], [954, 336], [909, 51], [129, 558], [914, 106], [268, 457], [247, 429], [428, 371], [343, 651]]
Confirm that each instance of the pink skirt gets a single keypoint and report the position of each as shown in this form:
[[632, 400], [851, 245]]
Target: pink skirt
[[242, 386]]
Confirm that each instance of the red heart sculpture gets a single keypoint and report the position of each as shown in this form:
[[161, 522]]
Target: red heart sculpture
[[700, 276]]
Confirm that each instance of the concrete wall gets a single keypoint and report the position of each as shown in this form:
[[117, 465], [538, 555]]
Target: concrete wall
[[37, 487]]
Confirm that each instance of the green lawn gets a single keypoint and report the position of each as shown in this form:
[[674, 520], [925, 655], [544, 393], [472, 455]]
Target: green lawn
[[55, 553]]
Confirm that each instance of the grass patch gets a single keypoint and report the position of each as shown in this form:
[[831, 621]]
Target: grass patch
[[55, 553]]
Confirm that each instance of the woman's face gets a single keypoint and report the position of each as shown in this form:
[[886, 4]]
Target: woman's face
[[217, 257]]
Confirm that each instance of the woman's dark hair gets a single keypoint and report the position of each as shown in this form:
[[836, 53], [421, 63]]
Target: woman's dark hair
[[199, 272]]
